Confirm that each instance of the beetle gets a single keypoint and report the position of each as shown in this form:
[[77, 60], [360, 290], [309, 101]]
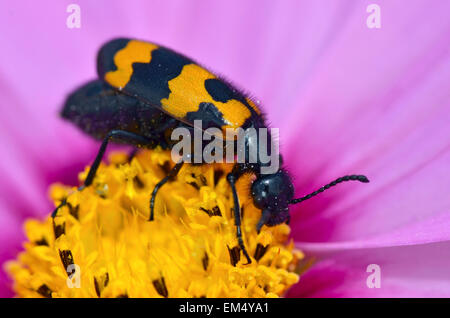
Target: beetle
[[145, 90]]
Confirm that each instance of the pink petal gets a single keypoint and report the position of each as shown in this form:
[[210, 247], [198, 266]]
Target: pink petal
[[377, 104], [407, 271], [431, 230]]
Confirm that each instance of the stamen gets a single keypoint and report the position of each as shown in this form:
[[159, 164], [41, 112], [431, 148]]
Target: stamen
[[160, 286], [194, 184], [205, 261], [217, 175], [67, 259], [235, 255], [73, 210], [260, 251], [45, 291], [41, 242], [203, 180], [59, 229], [138, 182], [214, 212], [166, 167], [97, 287], [101, 283]]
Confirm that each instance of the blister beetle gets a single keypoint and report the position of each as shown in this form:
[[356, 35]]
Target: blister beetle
[[145, 90]]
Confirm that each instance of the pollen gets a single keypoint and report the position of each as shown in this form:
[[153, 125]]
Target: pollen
[[101, 243]]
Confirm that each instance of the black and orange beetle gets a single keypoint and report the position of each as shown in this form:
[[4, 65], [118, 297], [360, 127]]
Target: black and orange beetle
[[145, 90]]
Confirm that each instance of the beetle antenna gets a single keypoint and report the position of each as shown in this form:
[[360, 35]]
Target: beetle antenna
[[353, 177]]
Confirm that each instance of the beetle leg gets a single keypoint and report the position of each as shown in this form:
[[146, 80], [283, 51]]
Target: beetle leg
[[172, 173], [232, 178], [113, 134]]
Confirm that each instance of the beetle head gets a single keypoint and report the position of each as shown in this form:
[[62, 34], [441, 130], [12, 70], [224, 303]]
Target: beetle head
[[271, 193]]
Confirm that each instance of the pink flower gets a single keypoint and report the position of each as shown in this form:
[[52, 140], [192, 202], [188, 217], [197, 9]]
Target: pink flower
[[347, 99]]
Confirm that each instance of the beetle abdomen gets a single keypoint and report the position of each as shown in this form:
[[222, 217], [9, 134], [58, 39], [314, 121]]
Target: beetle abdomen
[[97, 109]]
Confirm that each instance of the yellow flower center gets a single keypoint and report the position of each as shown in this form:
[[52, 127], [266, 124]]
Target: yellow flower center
[[101, 244]]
